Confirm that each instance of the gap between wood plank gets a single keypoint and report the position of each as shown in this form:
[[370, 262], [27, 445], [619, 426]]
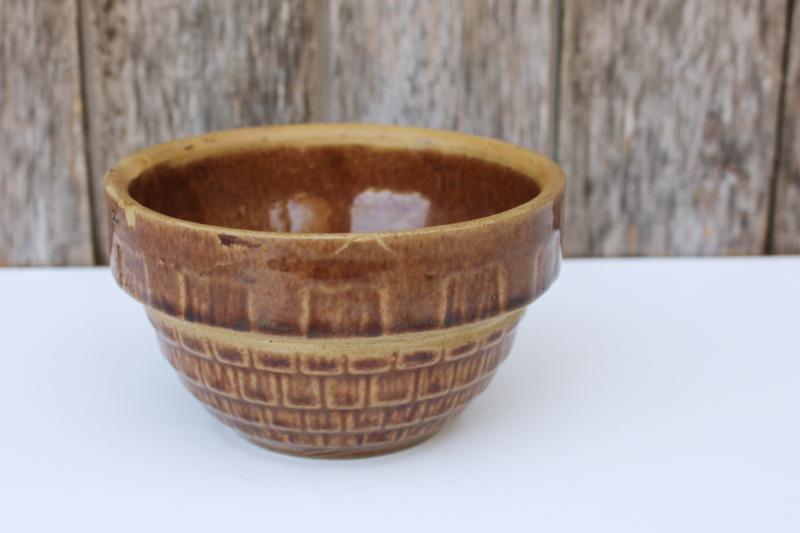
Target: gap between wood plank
[[321, 106], [322, 113], [555, 76], [769, 244], [87, 109]]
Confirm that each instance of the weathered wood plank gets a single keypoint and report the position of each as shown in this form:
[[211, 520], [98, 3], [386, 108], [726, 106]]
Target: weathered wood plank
[[786, 218], [44, 203], [667, 124], [161, 69], [481, 67]]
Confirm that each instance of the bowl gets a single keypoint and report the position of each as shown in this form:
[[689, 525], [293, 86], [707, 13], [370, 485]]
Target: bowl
[[335, 290]]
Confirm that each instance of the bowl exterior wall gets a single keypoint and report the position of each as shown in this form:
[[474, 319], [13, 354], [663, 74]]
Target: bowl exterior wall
[[336, 398]]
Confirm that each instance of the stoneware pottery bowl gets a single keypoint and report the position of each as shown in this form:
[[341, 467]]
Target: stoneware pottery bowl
[[335, 290]]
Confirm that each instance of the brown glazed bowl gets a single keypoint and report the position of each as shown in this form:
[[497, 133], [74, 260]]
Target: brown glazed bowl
[[335, 290]]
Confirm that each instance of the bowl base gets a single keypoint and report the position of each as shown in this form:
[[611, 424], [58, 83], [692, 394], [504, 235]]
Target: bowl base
[[340, 453]]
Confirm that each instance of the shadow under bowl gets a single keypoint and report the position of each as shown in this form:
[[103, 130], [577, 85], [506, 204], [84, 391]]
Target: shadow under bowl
[[335, 290]]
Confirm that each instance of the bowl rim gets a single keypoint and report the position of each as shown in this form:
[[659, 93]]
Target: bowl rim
[[542, 170]]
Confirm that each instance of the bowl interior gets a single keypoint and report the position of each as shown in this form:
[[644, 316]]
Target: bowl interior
[[332, 189]]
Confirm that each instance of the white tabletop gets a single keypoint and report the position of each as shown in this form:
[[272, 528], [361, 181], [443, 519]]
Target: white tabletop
[[641, 395]]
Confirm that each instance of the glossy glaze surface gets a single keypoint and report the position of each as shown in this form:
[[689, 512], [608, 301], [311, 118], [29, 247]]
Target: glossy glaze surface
[[319, 341], [342, 189]]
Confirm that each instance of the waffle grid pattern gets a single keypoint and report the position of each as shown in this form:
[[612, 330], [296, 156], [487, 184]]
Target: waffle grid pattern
[[305, 401]]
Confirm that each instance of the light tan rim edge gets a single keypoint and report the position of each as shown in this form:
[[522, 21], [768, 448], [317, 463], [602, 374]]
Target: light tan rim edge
[[546, 173]]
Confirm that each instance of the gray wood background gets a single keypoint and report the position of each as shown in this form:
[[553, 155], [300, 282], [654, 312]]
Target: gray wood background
[[677, 121]]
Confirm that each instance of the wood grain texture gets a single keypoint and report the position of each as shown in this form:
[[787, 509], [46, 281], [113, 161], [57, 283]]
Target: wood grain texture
[[786, 217], [44, 203], [162, 69], [664, 114], [479, 67], [667, 124]]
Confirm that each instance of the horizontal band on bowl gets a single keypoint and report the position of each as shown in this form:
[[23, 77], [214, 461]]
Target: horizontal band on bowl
[[451, 339]]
